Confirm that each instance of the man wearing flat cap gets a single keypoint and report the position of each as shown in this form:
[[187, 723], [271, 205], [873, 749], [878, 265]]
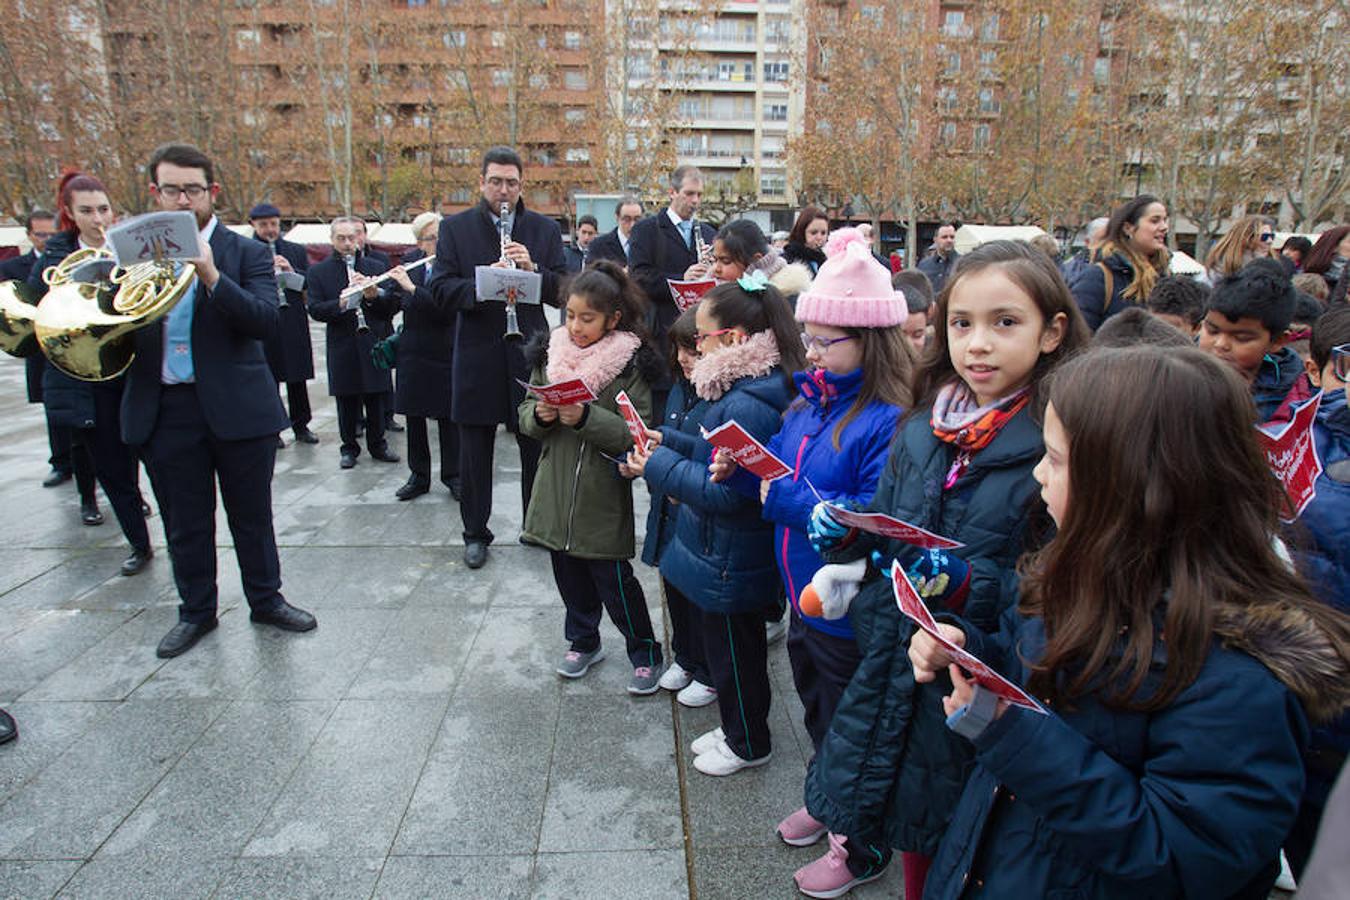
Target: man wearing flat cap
[[289, 352]]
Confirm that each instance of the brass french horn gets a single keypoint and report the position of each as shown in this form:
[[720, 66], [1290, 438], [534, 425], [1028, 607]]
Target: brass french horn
[[87, 322], [16, 319]]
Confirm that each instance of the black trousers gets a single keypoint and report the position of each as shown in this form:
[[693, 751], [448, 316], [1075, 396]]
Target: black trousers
[[737, 655], [297, 404], [58, 441], [349, 409], [589, 585], [686, 642], [419, 450], [115, 464], [82, 463], [186, 461], [822, 666], [475, 475]]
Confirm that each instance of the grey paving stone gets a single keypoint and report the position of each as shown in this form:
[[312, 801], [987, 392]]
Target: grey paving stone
[[112, 668], [52, 640], [214, 798], [77, 800], [45, 731], [21, 880], [177, 878], [633, 875], [431, 520], [77, 575], [420, 655], [18, 566], [300, 879], [348, 795], [319, 664], [455, 877]]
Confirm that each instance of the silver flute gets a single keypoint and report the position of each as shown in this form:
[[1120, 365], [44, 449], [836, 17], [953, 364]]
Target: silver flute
[[351, 276], [282, 302], [513, 332]]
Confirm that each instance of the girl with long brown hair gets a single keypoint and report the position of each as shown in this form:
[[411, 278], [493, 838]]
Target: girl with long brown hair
[[1177, 655]]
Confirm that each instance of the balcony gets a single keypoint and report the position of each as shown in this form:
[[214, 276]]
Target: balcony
[[706, 121]]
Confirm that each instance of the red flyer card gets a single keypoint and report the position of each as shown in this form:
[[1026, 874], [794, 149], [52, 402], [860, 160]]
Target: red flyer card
[[886, 526], [913, 607], [687, 293], [748, 452], [1291, 454], [636, 427], [562, 393]]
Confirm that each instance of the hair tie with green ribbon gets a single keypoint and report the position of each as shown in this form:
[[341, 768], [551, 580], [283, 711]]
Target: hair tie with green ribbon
[[753, 282]]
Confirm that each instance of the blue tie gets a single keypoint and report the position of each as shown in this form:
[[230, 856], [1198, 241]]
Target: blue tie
[[686, 231], [178, 328]]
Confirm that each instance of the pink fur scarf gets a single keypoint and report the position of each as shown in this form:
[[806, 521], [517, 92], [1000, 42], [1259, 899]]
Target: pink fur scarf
[[718, 370], [596, 365]]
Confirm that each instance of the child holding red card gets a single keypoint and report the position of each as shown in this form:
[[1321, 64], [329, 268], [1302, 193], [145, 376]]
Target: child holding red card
[[721, 557], [580, 509], [888, 770], [1173, 649]]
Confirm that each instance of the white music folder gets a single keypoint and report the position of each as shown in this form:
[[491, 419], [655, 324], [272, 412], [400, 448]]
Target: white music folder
[[494, 284]]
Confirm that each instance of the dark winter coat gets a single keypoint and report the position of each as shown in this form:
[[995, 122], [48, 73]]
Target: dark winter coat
[[888, 770], [606, 246], [679, 430], [657, 251], [938, 269], [800, 253], [290, 354], [351, 371], [1089, 289], [486, 365], [426, 351], [18, 268], [1193, 800], [1274, 380]]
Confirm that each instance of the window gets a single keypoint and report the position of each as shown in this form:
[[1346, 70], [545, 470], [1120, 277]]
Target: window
[[247, 37], [498, 39], [575, 80], [873, 13], [954, 23], [572, 40], [461, 196], [458, 156], [988, 61], [456, 78], [578, 155], [775, 71], [953, 66], [981, 137], [691, 108], [501, 77], [1101, 70], [776, 112], [988, 102], [773, 185], [989, 28], [453, 39], [947, 98], [539, 80], [948, 133], [574, 116]]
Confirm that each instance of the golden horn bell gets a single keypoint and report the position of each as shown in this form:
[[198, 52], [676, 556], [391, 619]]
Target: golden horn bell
[[87, 322], [16, 319]]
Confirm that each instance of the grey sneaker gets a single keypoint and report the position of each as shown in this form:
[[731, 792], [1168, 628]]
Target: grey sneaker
[[646, 680], [575, 664]]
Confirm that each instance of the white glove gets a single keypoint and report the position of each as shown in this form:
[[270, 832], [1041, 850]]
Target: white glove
[[837, 585]]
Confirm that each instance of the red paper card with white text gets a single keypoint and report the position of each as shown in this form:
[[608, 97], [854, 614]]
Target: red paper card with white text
[[1291, 453], [886, 526], [687, 293], [913, 607], [636, 427], [749, 453], [561, 393]]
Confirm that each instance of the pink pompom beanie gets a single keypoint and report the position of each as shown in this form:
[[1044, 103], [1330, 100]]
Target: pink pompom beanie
[[852, 289]]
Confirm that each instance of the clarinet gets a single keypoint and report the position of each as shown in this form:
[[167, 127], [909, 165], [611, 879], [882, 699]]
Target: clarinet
[[700, 246], [282, 302], [351, 276], [513, 332]]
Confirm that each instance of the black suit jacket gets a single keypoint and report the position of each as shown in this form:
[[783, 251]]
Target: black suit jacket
[[657, 251], [18, 268], [426, 351], [484, 391], [350, 368], [290, 353], [607, 246], [235, 387]]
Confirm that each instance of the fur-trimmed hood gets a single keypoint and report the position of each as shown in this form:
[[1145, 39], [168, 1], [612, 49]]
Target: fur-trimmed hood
[[1296, 650], [792, 279], [717, 370], [649, 363]]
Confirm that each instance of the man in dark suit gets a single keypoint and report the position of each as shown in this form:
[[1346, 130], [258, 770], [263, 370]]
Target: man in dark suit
[[289, 353], [353, 379], [202, 407], [381, 328], [484, 393], [575, 253], [614, 244], [40, 225], [663, 246]]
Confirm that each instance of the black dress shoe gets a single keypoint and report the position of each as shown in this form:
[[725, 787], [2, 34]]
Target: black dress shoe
[[137, 561], [55, 477], [347, 461], [456, 490], [8, 729], [285, 617], [391, 425], [181, 637], [305, 436], [384, 454], [412, 488], [475, 554], [90, 515]]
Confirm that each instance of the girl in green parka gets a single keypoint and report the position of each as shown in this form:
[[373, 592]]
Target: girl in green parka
[[581, 509]]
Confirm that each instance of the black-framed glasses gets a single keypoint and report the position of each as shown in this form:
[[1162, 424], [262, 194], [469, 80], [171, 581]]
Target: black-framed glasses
[[174, 191], [1340, 361], [821, 344]]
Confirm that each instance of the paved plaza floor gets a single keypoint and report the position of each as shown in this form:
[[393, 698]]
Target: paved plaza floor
[[417, 744]]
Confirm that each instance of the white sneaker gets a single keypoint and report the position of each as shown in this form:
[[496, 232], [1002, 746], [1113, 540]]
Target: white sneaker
[[697, 694], [708, 740], [1286, 880], [676, 678], [774, 631], [722, 760]]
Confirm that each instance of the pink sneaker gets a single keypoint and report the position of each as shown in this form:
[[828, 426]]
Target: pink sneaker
[[800, 829], [829, 876]]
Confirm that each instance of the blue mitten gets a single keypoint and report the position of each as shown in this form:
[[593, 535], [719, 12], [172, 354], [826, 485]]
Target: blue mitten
[[941, 579], [825, 532]]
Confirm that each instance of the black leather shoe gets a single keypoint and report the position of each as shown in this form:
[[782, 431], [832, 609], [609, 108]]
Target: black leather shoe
[[137, 561], [285, 617], [412, 488], [90, 515], [8, 729], [305, 436], [391, 425], [384, 454], [455, 489], [55, 477], [347, 461], [182, 636], [475, 554]]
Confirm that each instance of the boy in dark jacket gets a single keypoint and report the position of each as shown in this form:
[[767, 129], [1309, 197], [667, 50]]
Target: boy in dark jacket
[[1246, 325]]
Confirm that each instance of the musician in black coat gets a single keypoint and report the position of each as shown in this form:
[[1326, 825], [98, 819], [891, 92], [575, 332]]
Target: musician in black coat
[[201, 405], [290, 355], [663, 246], [614, 244], [484, 392], [353, 378]]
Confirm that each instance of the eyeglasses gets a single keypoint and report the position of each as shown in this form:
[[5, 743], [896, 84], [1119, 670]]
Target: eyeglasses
[[1267, 237], [821, 344], [1340, 361], [701, 336], [173, 191]]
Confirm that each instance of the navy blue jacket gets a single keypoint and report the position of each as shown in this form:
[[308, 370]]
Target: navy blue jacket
[[426, 350], [69, 401], [1274, 380], [351, 370], [722, 555], [679, 430], [1192, 800], [938, 269], [290, 352], [888, 771], [606, 246], [1089, 290]]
